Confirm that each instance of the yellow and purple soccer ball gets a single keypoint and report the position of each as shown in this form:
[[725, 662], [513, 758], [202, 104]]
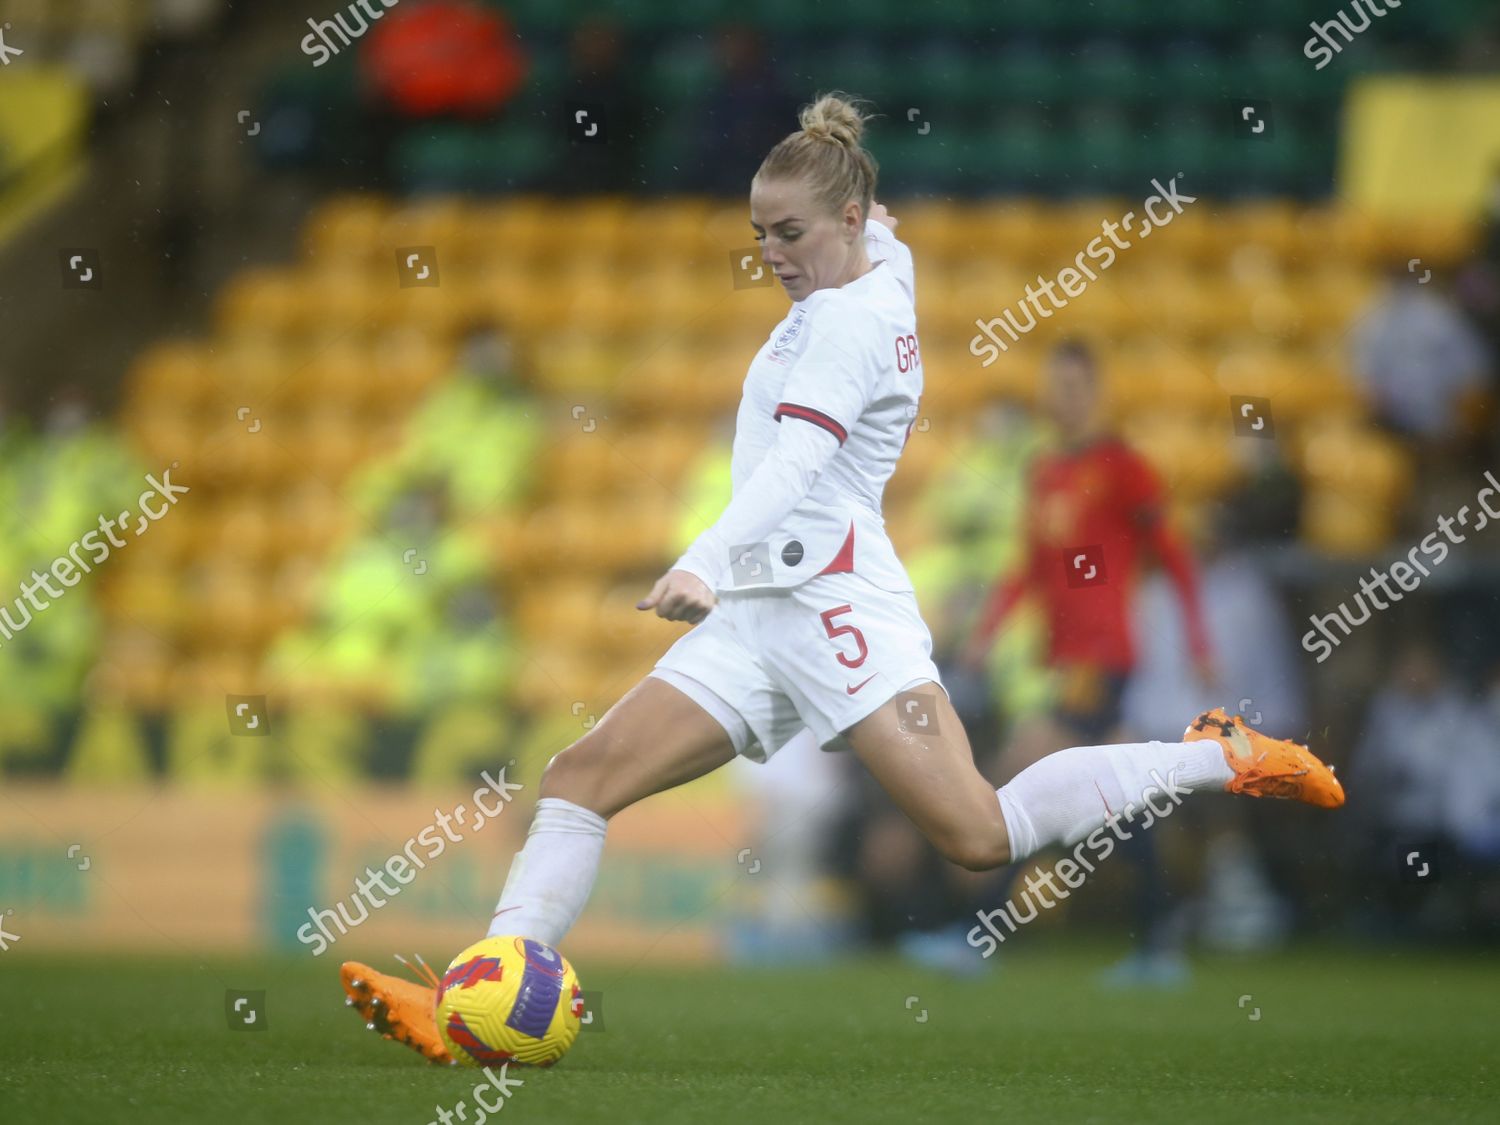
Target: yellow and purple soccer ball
[[509, 1000]]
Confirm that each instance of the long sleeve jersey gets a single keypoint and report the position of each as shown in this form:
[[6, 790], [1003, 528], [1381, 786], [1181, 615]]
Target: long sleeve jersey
[[828, 404]]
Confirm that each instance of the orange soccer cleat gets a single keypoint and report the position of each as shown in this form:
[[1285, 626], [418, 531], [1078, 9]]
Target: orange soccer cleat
[[1265, 766], [399, 1009]]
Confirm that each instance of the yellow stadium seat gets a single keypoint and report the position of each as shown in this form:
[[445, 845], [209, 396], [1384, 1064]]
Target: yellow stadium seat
[[1192, 238], [673, 227], [174, 371], [425, 222], [350, 300], [1268, 223], [337, 371], [1357, 480], [409, 362], [1437, 240], [513, 231], [148, 593], [596, 224], [1192, 458], [268, 299], [248, 525], [1337, 233], [310, 517], [325, 444], [1340, 523], [1065, 229], [1339, 454], [346, 228], [440, 312], [161, 432], [1333, 296], [937, 232], [1009, 231]]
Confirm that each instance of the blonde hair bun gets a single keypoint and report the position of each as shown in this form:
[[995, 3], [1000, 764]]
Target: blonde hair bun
[[838, 173], [835, 116]]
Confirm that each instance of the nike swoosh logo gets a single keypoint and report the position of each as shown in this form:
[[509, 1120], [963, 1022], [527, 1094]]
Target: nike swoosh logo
[[507, 910], [852, 690]]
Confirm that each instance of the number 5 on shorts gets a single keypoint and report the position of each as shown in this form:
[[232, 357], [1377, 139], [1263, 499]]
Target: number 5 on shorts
[[836, 631]]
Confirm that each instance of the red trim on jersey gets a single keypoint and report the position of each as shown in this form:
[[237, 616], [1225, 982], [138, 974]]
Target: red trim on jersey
[[843, 562], [816, 417]]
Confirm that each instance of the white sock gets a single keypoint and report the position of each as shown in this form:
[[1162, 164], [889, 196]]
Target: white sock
[[1067, 795], [551, 877]]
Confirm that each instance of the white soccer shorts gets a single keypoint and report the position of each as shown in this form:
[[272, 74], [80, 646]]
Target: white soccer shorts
[[767, 663]]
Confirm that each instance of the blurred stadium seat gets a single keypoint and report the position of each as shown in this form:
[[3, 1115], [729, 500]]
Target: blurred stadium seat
[[630, 361]]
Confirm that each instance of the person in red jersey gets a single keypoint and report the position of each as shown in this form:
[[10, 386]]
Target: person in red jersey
[[1095, 513], [1095, 516]]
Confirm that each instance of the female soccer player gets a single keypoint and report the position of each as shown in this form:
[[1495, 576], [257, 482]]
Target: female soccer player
[[805, 618]]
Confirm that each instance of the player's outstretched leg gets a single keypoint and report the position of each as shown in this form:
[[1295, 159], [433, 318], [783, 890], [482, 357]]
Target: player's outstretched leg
[[654, 738], [1063, 798]]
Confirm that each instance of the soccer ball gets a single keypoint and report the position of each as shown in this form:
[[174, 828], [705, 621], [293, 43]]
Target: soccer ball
[[509, 1000]]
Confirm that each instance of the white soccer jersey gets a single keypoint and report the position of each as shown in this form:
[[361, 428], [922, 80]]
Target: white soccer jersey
[[844, 367]]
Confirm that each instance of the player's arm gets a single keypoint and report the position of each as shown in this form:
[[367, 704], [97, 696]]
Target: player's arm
[[1178, 562], [1148, 510], [779, 483], [824, 395], [881, 242]]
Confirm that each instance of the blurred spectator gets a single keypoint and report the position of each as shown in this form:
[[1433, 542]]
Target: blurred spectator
[[403, 638], [1096, 495], [1095, 502], [1422, 366], [977, 509], [406, 619], [1266, 499], [443, 57], [54, 486], [1251, 634], [1475, 811], [1427, 777], [744, 115], [1419, 721], [796, 800], [1478, 288], [420, 68], [602, 79], [1248, 630], [476, 432], [707, 485]]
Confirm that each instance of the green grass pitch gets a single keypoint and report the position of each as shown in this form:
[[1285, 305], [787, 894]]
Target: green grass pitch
[[1360, 1037]]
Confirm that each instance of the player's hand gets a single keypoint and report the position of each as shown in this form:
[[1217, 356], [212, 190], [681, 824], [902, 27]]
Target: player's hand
[[679, 596], [1207, 672], [881, 215], [973, 655]]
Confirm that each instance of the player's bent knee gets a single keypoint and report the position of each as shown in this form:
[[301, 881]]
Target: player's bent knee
[[983, 852], [576, 774]]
